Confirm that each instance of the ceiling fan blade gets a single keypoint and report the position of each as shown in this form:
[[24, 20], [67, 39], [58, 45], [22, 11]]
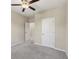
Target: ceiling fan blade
[[32, 8], [33, 1], [15, 4], [23, 9]]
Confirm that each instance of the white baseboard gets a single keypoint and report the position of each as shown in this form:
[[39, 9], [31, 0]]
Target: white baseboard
[[16, 43], [54, 48]]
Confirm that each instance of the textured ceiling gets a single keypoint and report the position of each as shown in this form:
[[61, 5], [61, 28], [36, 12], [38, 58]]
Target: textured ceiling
[[40, 6]]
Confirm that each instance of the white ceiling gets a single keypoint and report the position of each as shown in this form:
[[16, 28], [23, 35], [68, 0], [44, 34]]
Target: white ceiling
[[39, 6]]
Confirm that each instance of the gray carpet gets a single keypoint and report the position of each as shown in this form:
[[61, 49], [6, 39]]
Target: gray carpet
[[32, 51]]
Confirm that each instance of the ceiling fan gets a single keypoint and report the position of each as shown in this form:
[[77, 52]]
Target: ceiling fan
[[26, 4]]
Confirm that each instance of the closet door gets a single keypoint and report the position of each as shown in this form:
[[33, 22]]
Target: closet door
[[48, 32]]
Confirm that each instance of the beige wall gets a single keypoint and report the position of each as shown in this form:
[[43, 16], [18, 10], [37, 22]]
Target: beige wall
[[60, 15], [17, 28]]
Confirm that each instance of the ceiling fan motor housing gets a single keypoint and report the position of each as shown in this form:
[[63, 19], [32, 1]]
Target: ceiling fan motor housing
[[25, 4]]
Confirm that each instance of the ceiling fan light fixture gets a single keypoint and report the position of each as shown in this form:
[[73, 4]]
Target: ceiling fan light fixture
[[25, 4]]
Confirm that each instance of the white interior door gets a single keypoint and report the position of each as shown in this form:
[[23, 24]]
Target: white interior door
[[27, 31], [48, 32]]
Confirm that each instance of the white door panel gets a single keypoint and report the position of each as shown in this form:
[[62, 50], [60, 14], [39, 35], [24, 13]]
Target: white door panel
[[48, 32]]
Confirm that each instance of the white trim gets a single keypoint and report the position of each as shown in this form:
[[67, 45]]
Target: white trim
[[59, 49], [17, 43], [52, 47]]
